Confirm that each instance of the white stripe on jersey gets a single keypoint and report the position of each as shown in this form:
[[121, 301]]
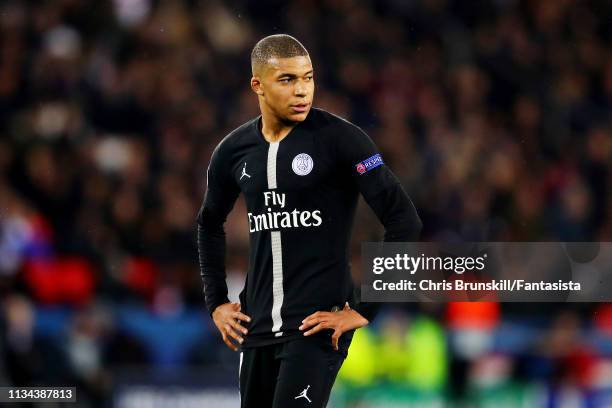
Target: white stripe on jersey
[[277, 251], [240, 373], [272, 151], [277, 282]]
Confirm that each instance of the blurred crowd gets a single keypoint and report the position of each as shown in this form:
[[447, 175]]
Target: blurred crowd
[[495, 116]]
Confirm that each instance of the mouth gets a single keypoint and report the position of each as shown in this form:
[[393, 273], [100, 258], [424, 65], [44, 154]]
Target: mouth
[[300, 107]]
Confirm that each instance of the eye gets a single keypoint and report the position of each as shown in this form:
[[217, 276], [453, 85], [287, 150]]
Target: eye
[[285, 80], [309, 78]]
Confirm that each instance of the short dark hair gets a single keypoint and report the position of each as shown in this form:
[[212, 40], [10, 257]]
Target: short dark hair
[[275, 46]]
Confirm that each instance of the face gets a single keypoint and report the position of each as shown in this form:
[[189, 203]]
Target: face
[[286, 87]]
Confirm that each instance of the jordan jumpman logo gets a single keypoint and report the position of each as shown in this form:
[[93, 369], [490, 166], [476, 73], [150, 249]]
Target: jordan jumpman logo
[[303, 394], [244, 173]]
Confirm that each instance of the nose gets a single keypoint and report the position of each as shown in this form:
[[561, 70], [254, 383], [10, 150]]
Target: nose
[[300, 89]]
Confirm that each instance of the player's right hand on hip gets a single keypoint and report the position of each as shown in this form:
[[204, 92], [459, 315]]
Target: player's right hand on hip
[[227, 318]]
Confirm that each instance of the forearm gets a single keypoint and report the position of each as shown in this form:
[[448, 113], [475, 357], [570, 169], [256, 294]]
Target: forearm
[[398, 215], [211, 251], [368, 310]]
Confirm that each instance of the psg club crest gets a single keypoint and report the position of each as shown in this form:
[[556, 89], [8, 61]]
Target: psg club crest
[[302, 164]]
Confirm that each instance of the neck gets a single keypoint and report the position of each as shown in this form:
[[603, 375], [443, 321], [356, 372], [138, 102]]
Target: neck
[[273, 128]]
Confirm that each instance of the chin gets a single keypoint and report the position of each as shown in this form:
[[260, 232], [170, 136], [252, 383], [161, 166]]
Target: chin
[[298, 117]]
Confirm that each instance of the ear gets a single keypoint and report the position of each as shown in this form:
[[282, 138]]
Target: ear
[[256, 85]]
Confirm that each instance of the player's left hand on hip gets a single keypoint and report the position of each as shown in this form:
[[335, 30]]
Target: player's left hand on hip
[[340, 322]]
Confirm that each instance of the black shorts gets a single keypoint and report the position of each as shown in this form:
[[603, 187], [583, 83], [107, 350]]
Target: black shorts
[[297, 373]]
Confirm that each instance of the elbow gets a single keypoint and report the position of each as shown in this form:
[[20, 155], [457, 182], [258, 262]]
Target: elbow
[[207, 221], [404, 231], [414, 228], [418, 228], [200, 218]]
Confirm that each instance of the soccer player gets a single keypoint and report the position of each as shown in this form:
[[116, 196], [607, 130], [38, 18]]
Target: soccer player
[[300, 170]]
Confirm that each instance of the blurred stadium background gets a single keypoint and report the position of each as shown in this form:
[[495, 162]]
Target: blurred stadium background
[[494, 114]]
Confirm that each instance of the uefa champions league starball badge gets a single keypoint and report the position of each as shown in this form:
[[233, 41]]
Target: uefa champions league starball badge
[[302, 164]]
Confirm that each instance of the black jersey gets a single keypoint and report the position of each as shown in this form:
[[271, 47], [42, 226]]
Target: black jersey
[[301, 194]]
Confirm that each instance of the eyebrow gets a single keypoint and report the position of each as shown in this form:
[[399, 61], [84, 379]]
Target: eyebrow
[[286, 74]]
